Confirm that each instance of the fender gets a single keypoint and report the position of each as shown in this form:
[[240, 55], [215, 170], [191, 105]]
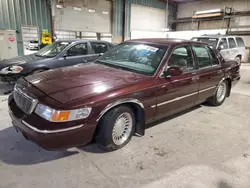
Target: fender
[[118, 102]]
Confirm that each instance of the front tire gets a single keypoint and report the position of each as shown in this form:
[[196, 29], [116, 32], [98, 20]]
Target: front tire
[[116, 128], [238, 60], [220, 95]]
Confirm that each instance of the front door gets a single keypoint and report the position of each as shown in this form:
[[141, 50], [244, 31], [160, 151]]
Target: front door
[[177, 93], [225, 52], [210, 71]]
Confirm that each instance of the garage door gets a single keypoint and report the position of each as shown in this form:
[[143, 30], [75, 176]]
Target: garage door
[[147, 19], [84, 16], [29, 33]]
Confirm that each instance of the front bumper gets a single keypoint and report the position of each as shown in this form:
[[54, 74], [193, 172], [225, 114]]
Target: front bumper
[[235, 80], [10, 78], [50, 139]]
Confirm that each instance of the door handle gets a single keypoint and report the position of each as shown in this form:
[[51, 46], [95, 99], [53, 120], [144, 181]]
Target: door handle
[[219, 71]]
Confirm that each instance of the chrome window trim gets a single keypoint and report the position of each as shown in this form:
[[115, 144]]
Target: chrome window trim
[[51, 131], [122, 101]]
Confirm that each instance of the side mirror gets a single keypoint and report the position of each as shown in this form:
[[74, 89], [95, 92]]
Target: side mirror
[[172, 71], [100, 54], [221, 47], [65, 55]]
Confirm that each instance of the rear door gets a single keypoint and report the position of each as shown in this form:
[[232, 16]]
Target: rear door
[[233, 48], [98, 49], [209, 71], [77, 54], [241, 47], [177, 93], [225, 52]]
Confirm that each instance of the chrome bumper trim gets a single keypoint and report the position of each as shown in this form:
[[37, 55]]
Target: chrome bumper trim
[[51, 131]]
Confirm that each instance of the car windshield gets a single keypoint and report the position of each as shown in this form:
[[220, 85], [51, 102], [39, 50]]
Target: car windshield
[[52, 50], [211, 41], [134, 57]]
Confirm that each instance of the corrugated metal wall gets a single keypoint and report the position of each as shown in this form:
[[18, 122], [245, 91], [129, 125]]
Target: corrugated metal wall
[[118, 8], [15, 13]]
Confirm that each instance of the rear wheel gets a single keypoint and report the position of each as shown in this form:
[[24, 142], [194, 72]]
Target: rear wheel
[[220, 95], [116, 128]]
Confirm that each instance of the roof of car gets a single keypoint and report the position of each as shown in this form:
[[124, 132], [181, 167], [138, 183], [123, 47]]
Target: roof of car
[[213, 36], [164, 41], [81, 40]]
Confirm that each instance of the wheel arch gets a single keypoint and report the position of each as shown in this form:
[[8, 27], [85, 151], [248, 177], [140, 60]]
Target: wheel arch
[[135, 105], [229, 80], [240, 56]]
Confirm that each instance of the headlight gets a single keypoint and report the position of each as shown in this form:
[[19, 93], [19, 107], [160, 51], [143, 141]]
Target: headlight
[[61, 116], [15, 69]]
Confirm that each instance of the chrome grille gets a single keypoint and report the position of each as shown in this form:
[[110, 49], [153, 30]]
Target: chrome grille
[[26, 103]]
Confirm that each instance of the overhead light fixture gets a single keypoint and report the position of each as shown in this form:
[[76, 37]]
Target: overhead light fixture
[[77, 9], [209, 11], [91, 10], [59, 6], [105, 12]]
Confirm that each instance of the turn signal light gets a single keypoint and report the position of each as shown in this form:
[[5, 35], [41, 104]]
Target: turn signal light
[[60, 116]]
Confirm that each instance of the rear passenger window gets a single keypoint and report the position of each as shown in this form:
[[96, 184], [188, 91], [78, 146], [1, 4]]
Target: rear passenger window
[[182, 57], [224, 43], [203, 56], [232, 43], [240, 42], [99, 47]]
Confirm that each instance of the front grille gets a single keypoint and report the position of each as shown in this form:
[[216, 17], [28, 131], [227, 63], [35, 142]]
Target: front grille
[[26, 103]]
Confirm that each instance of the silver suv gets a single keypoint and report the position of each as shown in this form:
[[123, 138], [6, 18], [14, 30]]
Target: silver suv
[[230, 47]]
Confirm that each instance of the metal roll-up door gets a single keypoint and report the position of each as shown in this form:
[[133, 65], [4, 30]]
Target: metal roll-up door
[[147, 20], [85, 16]]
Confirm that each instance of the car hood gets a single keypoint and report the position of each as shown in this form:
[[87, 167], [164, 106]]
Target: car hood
[[83, 81], [19, 60]]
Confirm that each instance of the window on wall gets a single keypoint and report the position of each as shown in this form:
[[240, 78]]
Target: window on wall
[[203, 56], [232, 43], [182, 57]]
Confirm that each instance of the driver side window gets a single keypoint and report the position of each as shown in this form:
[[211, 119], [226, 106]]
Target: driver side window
[[182, 58], [78, 50]]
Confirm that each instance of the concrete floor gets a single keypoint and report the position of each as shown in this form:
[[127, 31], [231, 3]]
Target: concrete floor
[[207, 147]]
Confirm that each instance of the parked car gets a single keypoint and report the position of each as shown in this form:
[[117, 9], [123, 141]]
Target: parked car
[[59, 54], [33, 45], [113, 98], [230, 47]]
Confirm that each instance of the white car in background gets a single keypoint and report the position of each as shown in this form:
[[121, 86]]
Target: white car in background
[[33, 45], [230, 47]]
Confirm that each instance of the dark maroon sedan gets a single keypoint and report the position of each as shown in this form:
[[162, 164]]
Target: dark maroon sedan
[[133, 84]]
